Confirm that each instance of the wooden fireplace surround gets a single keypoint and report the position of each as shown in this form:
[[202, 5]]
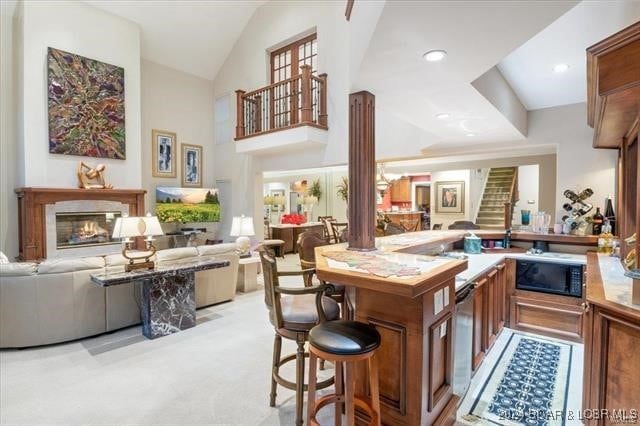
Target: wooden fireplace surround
[[31, 212]]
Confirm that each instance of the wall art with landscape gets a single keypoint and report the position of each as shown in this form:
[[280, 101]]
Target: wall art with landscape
[[186, 205]]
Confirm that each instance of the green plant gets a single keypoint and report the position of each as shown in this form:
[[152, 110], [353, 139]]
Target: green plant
[[315, 190], [343, 189]]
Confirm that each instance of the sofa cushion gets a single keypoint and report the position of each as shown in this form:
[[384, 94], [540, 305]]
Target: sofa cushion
[[3, 258], [212, 250], [17, 269], [176, 254], [58, 266]]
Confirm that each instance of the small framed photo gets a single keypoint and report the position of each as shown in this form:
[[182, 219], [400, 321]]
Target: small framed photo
[[163, 154], [450, 197], [191, 165]]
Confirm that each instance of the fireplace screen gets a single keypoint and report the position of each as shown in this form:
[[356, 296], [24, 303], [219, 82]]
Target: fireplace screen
[[85, 229]]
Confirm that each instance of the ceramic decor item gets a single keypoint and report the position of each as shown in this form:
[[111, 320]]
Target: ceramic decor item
[[472, 244]]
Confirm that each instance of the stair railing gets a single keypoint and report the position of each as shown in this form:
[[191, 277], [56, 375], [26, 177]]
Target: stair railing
[[513, 197], [296, 101]]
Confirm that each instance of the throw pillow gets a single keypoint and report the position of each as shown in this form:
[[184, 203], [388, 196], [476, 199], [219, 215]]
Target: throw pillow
[[3, 258]]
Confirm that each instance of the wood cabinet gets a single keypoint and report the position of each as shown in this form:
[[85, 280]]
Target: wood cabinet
[[411, 221], [479, 322], [401, 191], [488, 311]]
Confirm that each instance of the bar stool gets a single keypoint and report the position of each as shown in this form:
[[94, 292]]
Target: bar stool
[[344, 343]]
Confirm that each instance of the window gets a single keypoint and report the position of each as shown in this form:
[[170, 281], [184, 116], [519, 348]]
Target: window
[[285, 64], [301, 52]]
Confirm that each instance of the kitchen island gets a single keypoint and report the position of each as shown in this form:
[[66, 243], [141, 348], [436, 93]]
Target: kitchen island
[[415, 315]]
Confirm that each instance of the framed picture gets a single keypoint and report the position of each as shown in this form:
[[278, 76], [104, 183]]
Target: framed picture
[[191, 165], [163, 154], [450, 197], [85, 105]]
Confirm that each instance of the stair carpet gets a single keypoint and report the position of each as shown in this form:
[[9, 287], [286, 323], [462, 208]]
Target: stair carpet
[[496, 193]]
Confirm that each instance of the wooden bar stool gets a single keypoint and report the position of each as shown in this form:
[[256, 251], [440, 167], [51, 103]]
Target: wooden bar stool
[[344, 343]]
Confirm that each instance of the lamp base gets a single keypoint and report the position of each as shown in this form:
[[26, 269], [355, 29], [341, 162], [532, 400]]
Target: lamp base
[[243, 244], [140, 265]]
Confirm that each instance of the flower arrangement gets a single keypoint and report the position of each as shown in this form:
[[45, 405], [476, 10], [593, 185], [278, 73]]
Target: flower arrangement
[[273, 200], [315, 190], [293, 219], [343, 189]]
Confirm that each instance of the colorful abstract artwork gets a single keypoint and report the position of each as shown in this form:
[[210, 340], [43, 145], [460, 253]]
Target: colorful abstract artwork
[[86, 106]]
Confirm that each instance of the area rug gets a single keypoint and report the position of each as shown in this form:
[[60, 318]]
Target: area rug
[[528, 385]]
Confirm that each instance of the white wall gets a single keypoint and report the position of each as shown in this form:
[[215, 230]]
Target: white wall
[[579, 165], [528, 183], [8, 130], [84, 30], [181, 103], [447, 219]]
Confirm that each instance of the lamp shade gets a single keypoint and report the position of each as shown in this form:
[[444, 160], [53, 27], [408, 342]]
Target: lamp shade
[[127, 227], [242, 226]]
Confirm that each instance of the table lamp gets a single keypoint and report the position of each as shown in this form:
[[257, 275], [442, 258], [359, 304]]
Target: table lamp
[[242, 227], [127, 228]]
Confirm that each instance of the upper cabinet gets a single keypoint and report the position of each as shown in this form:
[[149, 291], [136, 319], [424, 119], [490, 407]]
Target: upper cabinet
[[613, 88], [401, 191]]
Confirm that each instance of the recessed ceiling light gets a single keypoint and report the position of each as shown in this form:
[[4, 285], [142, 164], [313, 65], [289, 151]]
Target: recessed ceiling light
[[443, 116], [560, 68], [434, 55], [471, 134]]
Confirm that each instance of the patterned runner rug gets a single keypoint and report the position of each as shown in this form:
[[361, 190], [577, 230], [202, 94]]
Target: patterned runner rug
[[528, 389]]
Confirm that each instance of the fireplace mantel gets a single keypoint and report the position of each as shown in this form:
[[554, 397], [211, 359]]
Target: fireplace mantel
[[31, 212]]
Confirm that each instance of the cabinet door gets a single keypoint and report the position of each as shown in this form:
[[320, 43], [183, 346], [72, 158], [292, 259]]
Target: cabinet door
[[479, 323], [490, 312], [401, 190]]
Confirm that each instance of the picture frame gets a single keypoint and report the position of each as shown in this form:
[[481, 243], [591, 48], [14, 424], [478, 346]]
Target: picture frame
[[191, 165], [163, 154], [450, 197]]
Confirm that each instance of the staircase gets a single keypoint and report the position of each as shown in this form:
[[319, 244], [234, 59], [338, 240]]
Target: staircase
[[500, 188]]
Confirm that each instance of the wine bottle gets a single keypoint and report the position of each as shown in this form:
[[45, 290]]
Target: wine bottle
[[598, 220], [609, 214]]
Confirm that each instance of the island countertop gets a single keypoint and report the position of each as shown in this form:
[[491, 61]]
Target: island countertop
[[433, 271]]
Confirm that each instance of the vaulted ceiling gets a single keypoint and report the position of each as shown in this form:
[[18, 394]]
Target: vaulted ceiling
[[193, 36]]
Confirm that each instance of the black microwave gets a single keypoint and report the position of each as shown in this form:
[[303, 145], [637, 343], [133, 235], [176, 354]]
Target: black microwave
[[549, 277]]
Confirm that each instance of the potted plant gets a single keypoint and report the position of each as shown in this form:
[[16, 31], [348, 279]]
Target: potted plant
[[343, 192], [315, 190]]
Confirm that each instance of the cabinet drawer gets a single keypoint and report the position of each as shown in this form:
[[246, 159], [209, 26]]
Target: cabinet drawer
[[551, 319]]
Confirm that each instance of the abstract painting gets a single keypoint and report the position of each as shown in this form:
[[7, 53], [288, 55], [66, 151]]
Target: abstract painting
[[163, 153], [191, 165], [86, 106]]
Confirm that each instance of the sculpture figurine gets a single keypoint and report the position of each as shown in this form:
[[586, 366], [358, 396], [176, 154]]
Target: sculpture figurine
[[92, 178]]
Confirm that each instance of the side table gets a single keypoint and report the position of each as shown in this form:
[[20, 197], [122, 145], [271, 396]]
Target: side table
[[248, 274], [168, 302]]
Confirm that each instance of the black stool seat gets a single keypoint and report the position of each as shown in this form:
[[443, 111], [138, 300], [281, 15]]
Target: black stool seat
[[344, 337]]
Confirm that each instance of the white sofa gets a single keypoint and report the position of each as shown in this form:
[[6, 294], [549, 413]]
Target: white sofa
[[56, 301]]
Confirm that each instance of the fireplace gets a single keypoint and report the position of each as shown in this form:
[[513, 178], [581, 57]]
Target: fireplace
[[72, 222], [85, 229]]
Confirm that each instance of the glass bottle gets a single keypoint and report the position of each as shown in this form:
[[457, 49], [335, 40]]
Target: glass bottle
[[605, 240], [609, 214], [598, 220]]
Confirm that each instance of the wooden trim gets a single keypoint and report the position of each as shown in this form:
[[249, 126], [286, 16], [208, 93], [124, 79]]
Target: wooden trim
[[349, 9], [436, 394], [31, 208]]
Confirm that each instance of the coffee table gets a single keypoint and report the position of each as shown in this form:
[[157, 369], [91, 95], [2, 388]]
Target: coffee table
[[168, 302]]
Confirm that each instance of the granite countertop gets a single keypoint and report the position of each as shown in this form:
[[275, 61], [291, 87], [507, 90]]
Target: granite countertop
[[479, 264], [106, 278], [616, 286]]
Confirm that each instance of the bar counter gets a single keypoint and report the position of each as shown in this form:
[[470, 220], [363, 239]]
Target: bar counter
[[414, 316]]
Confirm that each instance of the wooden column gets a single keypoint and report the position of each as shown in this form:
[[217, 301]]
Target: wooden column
[[239, 114], [305, 88], [362, 171], [322, 111]]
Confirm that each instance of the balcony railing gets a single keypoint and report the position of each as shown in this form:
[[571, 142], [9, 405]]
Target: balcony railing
[[298, 101]]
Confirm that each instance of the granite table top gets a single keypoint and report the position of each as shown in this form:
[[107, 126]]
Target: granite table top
[[164, 269]]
